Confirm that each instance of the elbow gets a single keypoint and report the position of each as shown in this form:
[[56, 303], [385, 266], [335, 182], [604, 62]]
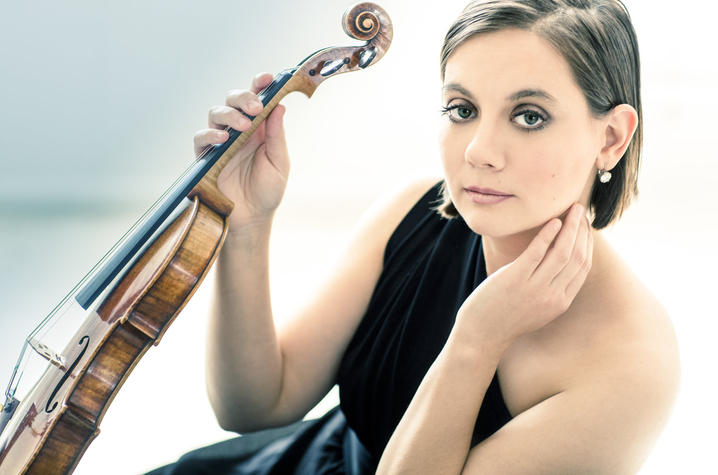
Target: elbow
[[243, 423], [230, 425], [238, 416], [243, 408], [223, 415], [232, 421], [226, 415], [227, 424]]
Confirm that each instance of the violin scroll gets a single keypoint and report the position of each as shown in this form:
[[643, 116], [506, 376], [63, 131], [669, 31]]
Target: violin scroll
[[364, 21], [361, 21]]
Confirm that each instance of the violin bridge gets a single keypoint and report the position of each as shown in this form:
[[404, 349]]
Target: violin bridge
[[48, 353], [6, 411]]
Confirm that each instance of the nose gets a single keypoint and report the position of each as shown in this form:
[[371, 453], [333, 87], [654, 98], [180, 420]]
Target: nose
[[483, 150]]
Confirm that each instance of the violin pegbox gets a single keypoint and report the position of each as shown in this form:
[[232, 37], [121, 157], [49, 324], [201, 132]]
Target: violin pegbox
[[364, 21]]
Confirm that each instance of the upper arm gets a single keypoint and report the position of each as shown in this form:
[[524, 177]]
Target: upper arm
[[314, 339], [606, 423]]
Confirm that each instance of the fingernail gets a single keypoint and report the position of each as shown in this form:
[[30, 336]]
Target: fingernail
[[254, 103]]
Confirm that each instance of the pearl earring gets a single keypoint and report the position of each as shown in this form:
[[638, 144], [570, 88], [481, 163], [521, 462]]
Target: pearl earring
[[604, 176]]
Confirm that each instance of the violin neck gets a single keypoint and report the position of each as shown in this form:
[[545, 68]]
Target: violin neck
[[170, 203]]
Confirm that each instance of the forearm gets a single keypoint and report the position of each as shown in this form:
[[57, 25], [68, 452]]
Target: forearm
[[244, 359], [434, 435]]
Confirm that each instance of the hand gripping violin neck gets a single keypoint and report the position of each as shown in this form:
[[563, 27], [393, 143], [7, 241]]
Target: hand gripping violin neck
[[133, 294]]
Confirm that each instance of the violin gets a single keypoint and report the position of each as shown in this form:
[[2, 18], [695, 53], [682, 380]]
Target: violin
[[128, 299]]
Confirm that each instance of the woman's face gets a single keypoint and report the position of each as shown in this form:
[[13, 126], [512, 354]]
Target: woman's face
[[519, 125]]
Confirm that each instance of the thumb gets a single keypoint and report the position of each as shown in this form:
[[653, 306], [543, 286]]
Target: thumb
[[275, 137], [274, 132]]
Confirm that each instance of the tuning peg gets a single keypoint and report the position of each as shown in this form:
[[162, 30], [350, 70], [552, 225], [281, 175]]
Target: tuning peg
[[366, 57], [332, 67]]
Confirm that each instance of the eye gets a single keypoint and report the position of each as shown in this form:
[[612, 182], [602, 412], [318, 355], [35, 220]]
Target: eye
[[458, 112], [530, 118], [461, 112]]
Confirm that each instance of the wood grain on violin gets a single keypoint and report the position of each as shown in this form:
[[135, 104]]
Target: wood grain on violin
[[133, 295]]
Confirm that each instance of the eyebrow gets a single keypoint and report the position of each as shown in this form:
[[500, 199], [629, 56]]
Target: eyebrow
[[540, 93]]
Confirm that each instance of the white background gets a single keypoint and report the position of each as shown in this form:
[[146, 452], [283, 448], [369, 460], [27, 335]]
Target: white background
[[98, 105]]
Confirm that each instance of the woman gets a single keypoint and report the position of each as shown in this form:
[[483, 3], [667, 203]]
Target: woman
[[497, 332]]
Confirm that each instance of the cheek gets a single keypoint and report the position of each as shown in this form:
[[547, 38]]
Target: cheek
[[443, 143], [450, 148], [543, 167], [558, 174]]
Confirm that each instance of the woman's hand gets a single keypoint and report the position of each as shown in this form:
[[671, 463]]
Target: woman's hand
[[538, 286], [256, 177]]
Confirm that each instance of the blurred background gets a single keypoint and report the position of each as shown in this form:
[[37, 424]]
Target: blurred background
[[98, 106]]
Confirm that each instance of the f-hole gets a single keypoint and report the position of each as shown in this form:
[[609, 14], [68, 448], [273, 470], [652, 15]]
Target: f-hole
[[86, 340]]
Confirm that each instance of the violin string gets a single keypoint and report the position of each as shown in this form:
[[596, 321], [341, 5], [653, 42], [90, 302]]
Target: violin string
[[45, 321], [206, 150], [49, 322], [51, 319]]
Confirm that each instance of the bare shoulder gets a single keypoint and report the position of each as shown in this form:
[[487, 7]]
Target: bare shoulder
[[388, 211], [619, 321], [634, 317], [635, 352], [373, 230], [606, 372]]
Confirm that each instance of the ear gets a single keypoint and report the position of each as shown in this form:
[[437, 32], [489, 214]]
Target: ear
[[620, 124]]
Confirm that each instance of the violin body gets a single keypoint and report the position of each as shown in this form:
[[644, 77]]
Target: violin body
[[132, 299], [53, 436]]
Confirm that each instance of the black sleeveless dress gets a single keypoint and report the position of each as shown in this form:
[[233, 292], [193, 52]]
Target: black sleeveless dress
[[431, 265]]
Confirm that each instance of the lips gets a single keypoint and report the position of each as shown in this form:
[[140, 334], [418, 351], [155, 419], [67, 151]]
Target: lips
[[486, 196], [486, 191]]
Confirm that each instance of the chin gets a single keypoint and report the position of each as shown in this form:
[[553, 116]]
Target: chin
[[499, 223], [486, 225]]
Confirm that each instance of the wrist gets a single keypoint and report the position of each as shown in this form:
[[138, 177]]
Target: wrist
[[475, 343], [244, 225], [248, 234], [240, 219]]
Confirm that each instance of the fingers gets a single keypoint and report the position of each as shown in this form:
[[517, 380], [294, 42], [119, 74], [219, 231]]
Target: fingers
[[238, 105], [531, 258], [573, 285], [206, 137], [221, 117], [260, 81], [560, 255], [576, 254], [562, 260], [246, 101], [568, 262]]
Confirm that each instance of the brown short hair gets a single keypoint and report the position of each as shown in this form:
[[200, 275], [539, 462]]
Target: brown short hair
[[598, 41]]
